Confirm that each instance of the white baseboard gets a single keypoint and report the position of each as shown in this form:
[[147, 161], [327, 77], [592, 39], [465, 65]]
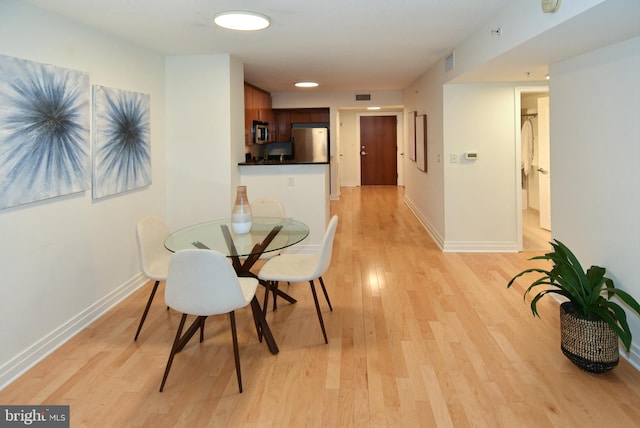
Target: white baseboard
[[480, 247], [633, 357], [462, 246], [437, 238], [22, 362]]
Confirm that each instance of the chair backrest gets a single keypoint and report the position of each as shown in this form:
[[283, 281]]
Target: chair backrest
[[327, 246], [203, 282], [151, 231], [267, 207]]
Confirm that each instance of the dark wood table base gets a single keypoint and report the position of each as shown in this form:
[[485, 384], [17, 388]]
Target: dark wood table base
[[243, 269]]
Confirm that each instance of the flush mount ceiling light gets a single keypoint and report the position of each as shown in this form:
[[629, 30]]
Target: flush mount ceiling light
[[306, 84], [241, 20], [373, 108]]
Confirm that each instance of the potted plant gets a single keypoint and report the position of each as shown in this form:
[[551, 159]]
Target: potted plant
[[590, 322]]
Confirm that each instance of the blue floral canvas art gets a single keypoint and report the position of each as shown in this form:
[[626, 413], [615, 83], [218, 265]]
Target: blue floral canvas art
[[121, 146], [44, 131]]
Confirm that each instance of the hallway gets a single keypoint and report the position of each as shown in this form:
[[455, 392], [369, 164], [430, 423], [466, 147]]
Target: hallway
[[533, 237]]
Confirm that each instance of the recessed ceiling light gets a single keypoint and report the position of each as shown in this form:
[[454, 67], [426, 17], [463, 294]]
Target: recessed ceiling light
[[373, 108], [241, 20], [306, 84]]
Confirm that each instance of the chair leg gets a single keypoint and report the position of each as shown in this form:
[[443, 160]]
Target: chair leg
[[275, 284], [146, 309], [267, 290], [326, 295], [202, 320], [315, 299], [236, 354], [173, 351]]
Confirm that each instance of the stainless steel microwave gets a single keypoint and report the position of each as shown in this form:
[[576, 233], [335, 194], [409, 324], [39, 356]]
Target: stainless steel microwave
[[260, 132]]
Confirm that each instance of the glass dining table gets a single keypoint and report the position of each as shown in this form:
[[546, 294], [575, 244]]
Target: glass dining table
[[267, 234]]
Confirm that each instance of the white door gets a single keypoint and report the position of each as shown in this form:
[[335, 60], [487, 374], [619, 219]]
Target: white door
[[544, 164]]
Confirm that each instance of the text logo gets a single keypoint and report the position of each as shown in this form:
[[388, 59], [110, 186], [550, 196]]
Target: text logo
[[34, 416]]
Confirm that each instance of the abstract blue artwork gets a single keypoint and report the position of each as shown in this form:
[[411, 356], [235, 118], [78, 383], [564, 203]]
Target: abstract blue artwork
[[121, 141], [44, 131]]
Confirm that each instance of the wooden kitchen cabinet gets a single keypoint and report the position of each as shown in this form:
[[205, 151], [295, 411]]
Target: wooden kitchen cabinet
[[248, 113], [282, 119], [257, 106], [299, 116], [310, 115], [262, 105], [319, 115]]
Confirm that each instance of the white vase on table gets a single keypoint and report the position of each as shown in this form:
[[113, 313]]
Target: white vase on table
[[241, 216]]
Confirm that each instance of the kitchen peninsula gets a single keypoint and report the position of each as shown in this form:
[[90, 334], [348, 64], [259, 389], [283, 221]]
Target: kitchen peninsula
[[303, 188]]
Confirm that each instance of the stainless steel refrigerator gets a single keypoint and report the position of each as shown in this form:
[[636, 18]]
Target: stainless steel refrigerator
[[310, 144]]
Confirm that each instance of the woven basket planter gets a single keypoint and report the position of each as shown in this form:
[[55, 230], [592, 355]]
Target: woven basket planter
[[590, 344]]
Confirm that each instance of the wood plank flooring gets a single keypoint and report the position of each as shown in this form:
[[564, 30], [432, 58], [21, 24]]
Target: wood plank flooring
[[534, 238], [417, 338]]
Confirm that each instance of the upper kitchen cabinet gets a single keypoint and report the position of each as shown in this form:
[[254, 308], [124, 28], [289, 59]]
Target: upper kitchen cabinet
[[262, 105], [285, 118], [257, 106], [310, 115], [282, 125]]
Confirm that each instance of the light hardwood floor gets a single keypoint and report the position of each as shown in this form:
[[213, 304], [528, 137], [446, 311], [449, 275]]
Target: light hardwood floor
[[417, 338], [533, 237]]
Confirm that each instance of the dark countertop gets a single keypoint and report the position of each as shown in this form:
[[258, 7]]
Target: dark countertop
[[262, 162]]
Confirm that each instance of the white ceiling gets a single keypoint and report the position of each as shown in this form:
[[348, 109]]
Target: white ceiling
[[345, 45]]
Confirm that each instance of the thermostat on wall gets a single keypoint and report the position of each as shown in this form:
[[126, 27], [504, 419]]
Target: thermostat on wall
[[471, 155]]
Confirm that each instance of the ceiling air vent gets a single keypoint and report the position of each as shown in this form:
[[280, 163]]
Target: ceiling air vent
[[363, 97]]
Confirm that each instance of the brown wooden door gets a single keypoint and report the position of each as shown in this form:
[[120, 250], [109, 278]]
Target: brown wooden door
[[378, 147]]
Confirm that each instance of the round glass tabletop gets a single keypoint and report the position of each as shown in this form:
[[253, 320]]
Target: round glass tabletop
[[214, 235]]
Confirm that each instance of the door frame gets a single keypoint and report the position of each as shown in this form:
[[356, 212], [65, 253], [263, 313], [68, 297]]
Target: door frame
[[518, 91], [399, 142]]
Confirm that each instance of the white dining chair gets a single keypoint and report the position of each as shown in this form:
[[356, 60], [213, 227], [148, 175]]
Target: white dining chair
[[303, 267], [151, 232], [203, 283], [267, 207]]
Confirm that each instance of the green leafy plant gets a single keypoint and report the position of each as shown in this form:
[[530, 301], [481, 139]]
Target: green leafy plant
[[589, 292]]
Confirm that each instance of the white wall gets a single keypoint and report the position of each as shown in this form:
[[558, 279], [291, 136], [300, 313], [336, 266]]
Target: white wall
[[204, 145], [458, 121], [424, 192], [595, 193], [480, 203], [348, 145], [66, 260], [477, 117]]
